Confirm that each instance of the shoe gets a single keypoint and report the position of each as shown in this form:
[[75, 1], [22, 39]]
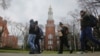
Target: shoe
[[71, 51], [60, 53], [31, 52]]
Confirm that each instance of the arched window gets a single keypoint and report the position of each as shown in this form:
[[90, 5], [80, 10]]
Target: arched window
[[57, 42], [50, 42], [50, 36]]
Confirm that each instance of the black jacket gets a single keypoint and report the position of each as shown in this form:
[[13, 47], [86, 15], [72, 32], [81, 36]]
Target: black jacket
[[32, 29], [85, 21], [64, 30]]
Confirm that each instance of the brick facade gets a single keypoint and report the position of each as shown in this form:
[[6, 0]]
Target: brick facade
[[50, 41], [12, 42], [5, 39]]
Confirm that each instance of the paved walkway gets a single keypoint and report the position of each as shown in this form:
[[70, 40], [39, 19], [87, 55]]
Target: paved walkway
[[20, 54]]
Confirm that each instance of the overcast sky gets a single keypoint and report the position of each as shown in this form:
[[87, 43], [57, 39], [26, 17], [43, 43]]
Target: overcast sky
[[23, 10]]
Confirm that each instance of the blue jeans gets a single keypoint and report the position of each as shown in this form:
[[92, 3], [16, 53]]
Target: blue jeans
[[86, 33], [31, 41]]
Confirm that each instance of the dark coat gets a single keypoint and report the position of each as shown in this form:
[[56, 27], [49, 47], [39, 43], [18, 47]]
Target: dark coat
[[85, 21]]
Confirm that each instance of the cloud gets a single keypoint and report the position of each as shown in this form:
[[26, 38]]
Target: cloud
[[23, 10]]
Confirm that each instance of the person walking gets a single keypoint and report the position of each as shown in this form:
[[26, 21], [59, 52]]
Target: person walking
[[63, 38], [39, 33], [31, 37], [86, 29]]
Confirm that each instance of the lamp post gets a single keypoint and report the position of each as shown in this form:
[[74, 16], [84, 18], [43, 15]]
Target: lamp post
[[74, 36]]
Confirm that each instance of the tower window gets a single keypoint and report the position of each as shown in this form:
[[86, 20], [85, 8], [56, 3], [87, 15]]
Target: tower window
[[50, 42], [50, 36]]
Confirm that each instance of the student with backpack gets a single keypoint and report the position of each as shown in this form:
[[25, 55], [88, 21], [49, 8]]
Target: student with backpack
[[39, 33], [87, 23], [63, 38]]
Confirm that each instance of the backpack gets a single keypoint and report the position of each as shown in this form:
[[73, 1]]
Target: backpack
[[93, 21], [40, 32], [65, 30]]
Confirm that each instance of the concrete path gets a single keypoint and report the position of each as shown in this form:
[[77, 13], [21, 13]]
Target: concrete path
[[77, 54]]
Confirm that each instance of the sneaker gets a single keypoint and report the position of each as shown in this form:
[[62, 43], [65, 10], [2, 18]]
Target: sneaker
[[71, 51], [31, 52]]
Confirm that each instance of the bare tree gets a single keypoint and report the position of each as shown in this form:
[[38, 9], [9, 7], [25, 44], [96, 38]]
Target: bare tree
[[18, 29], [41, 26], [75, 26], [5, 3], [89, 5], [24, 30]]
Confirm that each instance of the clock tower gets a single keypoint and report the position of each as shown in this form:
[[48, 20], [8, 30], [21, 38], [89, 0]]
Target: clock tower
[[50, 39]]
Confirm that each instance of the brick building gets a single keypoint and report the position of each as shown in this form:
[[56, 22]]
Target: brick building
[[50, 42], [5, 39], [3, 32], [12, 42]]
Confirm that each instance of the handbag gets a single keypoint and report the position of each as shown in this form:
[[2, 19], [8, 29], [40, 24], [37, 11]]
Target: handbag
[[60, 34]]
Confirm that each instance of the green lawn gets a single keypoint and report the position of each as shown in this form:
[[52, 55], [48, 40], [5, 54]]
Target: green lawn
[[54, 52], [13, 51], [24, 51]]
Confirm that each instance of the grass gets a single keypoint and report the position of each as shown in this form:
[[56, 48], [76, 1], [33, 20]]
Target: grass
[[54, 52], [25, 51], [13, 51], [44, 52]]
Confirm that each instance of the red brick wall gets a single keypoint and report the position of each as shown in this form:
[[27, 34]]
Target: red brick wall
[[3, 23], [50, 29], [12, 42], [6, 40]]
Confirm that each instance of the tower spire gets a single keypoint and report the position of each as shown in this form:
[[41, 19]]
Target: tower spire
[[50, 13]]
